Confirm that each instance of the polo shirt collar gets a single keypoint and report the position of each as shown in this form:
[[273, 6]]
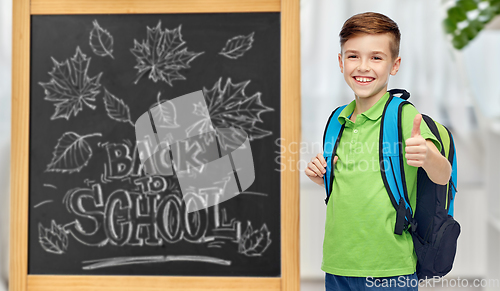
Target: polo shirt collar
[[374, 113]]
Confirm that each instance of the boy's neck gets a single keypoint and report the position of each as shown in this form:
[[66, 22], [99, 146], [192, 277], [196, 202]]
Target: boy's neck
[[363, 104]]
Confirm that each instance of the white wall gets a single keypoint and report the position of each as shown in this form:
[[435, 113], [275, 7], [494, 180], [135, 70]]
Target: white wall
[[5, 97]]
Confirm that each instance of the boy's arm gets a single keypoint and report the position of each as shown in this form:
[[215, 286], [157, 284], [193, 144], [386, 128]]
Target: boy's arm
[[436, 166], [423, 153]]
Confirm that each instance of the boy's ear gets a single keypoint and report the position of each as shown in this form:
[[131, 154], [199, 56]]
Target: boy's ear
[[341, 65], [395, 66]]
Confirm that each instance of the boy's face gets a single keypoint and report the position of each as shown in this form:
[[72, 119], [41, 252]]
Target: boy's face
[[366, 63]]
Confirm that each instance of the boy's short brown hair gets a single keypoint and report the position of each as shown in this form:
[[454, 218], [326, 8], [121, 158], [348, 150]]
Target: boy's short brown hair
[[371, 23]]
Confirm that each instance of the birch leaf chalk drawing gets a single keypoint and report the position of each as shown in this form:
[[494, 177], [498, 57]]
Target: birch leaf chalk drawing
[[237, 46], [71, 153], [101, 41], [116, 108]]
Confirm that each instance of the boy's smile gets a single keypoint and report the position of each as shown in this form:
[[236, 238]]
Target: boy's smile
[[363, 80], [366, 63]]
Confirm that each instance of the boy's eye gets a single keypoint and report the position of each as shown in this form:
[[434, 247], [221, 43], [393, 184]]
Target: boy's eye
[[377, 58], [351, 57]]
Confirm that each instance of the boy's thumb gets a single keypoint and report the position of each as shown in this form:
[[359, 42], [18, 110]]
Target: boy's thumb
[[335, 160], [416, 125]]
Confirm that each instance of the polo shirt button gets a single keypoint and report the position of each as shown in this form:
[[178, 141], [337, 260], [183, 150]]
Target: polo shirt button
[[355, 131]]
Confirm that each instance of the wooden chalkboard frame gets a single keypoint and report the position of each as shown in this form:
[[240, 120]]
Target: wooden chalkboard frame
[[290, 134]]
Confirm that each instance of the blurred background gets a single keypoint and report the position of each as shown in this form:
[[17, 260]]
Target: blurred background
[[5, 90], [452, 77]]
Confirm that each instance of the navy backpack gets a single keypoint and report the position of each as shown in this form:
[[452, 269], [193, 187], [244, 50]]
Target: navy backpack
[[432, 226]]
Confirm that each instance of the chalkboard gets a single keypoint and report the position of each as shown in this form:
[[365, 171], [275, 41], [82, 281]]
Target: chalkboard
[[92, 208]]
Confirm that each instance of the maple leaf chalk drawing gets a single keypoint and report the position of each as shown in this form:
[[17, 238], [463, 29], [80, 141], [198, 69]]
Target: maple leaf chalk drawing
[[237, 46], [101, 41], [204, 126], [53, 240], [229, 106], [71, 153], [116, 108], [70, 87], [161, 55]]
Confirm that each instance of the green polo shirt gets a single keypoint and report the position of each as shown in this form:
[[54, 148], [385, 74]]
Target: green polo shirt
[[359, 231]]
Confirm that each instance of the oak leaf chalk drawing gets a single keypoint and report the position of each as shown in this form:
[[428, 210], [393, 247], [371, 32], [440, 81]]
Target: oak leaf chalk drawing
[[70, 86], [71, 153], [116, 108], [101, 41], [230, 107], [161, 55], [237, 46], [53, 240], [254, 242]]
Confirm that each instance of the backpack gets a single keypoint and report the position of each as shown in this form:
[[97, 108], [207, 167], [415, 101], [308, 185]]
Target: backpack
[[432, 226]]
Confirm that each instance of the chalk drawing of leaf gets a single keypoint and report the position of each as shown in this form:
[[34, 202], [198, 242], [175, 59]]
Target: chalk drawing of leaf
[[164, 111], [71, 153], [230, 107], [161, 55], [237, 46], [254, 242], [116, 108], [101, 41], [70, 86], [53, 240], [230, 138], [204, 126]]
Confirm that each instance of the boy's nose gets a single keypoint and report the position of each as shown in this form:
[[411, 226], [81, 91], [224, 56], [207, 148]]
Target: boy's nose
[[363, 66]]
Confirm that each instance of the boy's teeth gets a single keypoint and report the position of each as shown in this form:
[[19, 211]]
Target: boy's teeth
[[364, 79]]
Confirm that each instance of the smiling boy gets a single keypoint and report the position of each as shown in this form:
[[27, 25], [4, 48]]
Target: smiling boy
[[359, 241]]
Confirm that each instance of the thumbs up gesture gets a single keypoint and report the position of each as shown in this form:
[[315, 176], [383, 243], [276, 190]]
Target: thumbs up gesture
[[416, 146]]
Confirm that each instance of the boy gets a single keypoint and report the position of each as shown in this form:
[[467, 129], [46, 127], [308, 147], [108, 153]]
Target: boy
[[359, 242]]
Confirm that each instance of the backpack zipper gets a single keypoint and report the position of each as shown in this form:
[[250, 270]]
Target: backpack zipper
[[449, 194], [453, 184], [448, 202]]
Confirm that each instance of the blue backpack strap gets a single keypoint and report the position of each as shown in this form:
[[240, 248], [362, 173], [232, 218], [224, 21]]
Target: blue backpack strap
[[391, 159], [452, 158], [331, 139]]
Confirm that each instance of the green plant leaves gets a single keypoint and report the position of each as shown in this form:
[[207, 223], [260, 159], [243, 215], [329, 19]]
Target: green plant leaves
[[449, 25], [463, 26], [460, 41], [470, 32], [487, 15], [457, 14], [467, 5], [476, 24]]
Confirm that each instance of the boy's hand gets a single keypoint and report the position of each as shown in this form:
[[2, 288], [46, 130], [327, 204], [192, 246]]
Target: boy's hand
[[416, 146], [317, 168]]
